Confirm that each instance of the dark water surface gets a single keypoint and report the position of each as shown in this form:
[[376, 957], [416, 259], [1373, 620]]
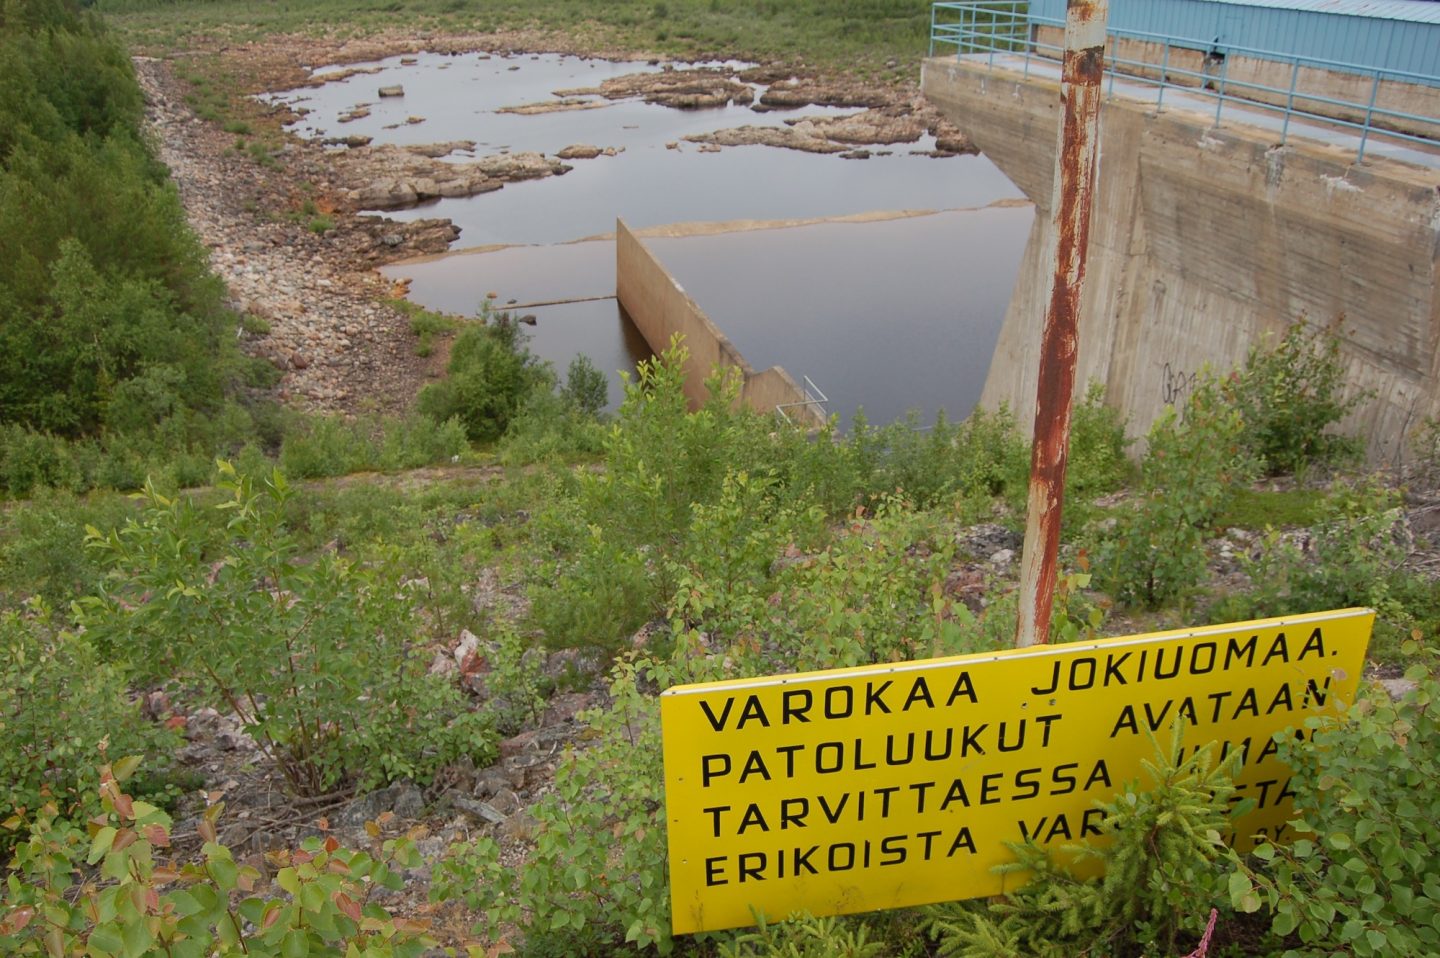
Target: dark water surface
[[888, 314]]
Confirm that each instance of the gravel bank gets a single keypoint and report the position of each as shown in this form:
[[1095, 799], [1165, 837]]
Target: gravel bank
[[339, 345]]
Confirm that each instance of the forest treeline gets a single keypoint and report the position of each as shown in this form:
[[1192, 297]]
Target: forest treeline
[[112, 327]]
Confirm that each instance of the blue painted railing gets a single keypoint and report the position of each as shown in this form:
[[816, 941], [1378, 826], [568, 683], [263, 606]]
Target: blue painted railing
[[1004, 33]]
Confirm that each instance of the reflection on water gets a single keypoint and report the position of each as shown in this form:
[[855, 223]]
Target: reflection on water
[[650, 183], [655, 186], [888, 315]]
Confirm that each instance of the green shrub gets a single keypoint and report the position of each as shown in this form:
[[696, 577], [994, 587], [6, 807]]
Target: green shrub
[[59, 700], [975, 460], [1363, 879], [489, 375], [594, 878], [874, 595], [335, 446], [1351, 557], [661, 460], [38, 554], [1098, 463], [79, 319], [548, 427], [1425, 449], [586, 387], [1164, 867], [1290, 395], [426, 325], [802, 936], [114, 336], [1156, 551], [327, 446], [417, 441], [31, 460], [318, 657], [113, 892]]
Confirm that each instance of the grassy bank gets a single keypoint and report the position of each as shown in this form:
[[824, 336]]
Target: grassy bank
[[865, 38]]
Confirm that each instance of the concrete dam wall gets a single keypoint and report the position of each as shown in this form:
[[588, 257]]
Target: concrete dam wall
[[661, 309], [1207, 241]]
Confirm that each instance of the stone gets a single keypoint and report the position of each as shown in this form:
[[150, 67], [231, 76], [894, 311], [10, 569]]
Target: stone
[[483, 811], [505, 801], [466, 649], [801, 136], [435, 151], [385, 194], [352, 141], [403, 799], [957, 143], [392, 91], [519, 827], [579, 151], [1397, 689]]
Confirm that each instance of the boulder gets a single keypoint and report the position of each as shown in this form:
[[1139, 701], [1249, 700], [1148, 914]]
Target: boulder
[[580, 151], [384, 195]]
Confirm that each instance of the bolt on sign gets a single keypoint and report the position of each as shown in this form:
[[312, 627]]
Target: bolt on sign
[[886, 786]]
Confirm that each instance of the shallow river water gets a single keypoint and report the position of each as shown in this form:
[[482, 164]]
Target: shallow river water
[[887, 314]]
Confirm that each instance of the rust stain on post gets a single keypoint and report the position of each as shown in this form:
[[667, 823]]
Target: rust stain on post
[[1080, 92]]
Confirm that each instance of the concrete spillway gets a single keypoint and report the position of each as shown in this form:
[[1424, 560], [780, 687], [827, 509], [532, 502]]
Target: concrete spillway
[[1207, 240]]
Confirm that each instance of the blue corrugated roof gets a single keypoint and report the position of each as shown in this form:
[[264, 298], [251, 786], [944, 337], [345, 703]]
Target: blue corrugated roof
[[1415, 11]]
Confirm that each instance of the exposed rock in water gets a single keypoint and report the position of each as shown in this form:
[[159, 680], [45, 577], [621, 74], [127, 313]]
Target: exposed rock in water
[[357, 112], [796, 93], [868, 128], [389, 91], [335, 76], [412, 238], [436, 150], [798, 137], [563, 105], [955, 144], [580, 151], [894, 123], [682, 89], [387, 176], [351, 141]]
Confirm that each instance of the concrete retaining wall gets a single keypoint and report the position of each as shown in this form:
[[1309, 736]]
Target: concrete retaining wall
[[1205, 242], [661, 309]]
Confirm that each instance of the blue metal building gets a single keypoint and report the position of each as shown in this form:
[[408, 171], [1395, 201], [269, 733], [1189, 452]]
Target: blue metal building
[[1399, 35]]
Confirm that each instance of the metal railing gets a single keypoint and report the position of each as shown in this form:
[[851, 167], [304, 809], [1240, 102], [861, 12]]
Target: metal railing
[[814, 400], [1004, 33]]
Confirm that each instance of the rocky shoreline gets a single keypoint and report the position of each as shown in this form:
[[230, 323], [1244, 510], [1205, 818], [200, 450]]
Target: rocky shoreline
[[313, 305]]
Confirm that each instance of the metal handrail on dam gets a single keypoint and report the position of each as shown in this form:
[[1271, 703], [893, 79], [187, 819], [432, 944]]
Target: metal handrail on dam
[[1004, 33]]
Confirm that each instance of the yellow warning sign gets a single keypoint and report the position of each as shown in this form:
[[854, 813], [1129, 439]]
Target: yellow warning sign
[[887, 786]]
